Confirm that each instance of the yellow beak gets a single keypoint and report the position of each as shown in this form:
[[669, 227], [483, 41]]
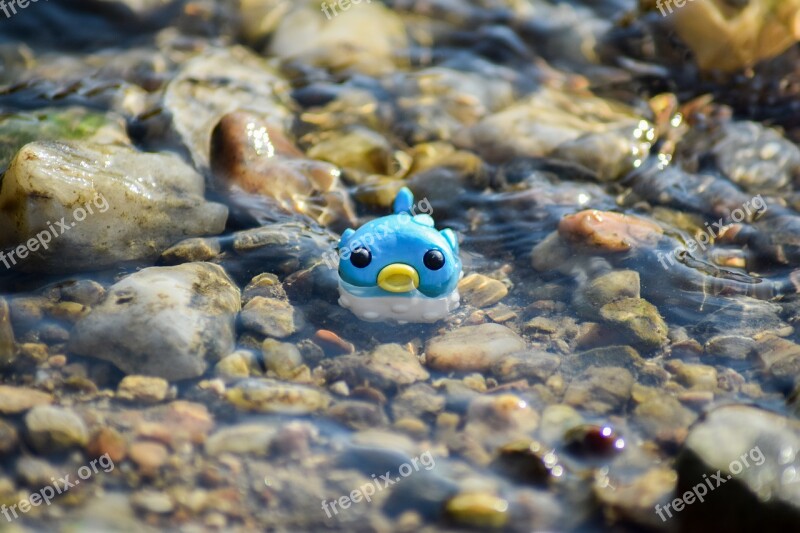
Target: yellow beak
[[398, 277]]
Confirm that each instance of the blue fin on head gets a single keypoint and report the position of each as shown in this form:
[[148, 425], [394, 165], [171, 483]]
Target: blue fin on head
[[346, 236], [451, 239], [403, 201]]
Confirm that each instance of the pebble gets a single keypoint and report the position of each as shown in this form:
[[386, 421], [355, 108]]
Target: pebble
[[608, 231], [600, 389], [83, 291], [271, 317], [192, 250], [252, 439], [694, 376], [149, 457], [526, 461], [640, 319], [270, 396], [636, 499], [143, 389], [779, 358], [16, 400], [664, 417], [472, 348], [266, 285], [604, 289], [53, 429], [236, 365], [152, 501], [535, 366], [333, 343], [481, 291], [733, 347], [590, 440], [9, 439], [283, 358], [478, 510], [108, 440]]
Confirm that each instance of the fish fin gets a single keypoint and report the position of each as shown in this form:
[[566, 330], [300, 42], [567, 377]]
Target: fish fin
[[346, 237], [403, 201], [451, 239], [424, 220]]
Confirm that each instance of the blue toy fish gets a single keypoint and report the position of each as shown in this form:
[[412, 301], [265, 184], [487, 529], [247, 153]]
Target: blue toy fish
[[399, 268]]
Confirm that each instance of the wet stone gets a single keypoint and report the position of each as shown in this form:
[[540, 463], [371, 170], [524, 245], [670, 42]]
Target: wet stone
[[283, 358], [358, 415], [528, 462], [144, 389], [191, 250], [600, 390], [151, 501], [779, 358], [167, 322], [16, 400], [481, 291], [236, 365], [270, 396], [252, 439], [610, 356], [9, 439], [607, 288], [478, 509], [148, 457], [663, 417], [266, 285], [271, 317], [107, 440], [610, 232], [53, 429], [588, 440], [534, 366], [84, 291], [387, 366], [640, 319], [135, 205], [472, 348], [755, 452], [733, 347], [418, 400]]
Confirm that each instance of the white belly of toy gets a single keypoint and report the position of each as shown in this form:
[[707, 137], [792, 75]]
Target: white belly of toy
[[403, 309]]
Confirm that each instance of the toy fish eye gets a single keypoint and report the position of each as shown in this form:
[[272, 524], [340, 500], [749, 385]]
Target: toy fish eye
[[360, 258], [433, 259]]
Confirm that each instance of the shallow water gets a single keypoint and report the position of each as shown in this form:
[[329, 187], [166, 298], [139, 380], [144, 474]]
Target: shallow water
[[190, 333]]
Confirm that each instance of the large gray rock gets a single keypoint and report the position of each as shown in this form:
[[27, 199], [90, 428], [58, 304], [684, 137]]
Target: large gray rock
[[749, 457], [168, 322], [77, 206]]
